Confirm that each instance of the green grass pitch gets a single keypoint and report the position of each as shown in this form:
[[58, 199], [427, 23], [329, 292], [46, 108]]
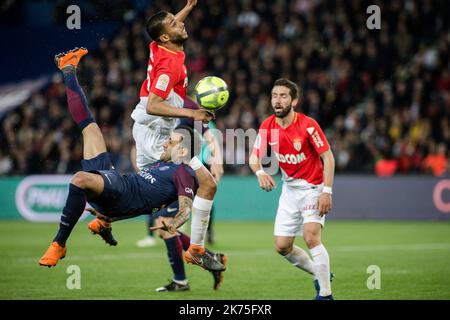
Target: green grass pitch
[[414, 258]]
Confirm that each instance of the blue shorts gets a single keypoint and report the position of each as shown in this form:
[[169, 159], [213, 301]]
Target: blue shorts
[[100, 162], [170, 211], [120, 197]]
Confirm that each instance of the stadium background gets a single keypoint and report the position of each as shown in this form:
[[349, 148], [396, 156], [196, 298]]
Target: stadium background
[[381, 96]]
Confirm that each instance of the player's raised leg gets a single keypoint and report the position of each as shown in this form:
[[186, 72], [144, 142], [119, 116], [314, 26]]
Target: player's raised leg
[[312, 235], [93, 141], [84, 185]]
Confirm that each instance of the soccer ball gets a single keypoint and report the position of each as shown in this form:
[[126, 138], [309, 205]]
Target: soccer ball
[[211, 93]]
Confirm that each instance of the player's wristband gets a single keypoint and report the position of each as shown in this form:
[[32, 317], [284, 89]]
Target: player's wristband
[[195, 163], [327, 190], [260, 172]]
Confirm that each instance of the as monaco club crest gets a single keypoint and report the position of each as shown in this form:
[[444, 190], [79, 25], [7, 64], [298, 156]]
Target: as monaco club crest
[[297, 144]]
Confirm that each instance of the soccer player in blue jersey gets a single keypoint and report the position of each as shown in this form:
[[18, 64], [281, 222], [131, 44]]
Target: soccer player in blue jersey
[[122, 196]]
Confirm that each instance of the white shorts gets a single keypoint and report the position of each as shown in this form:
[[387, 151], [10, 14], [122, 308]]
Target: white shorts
[[297, 206], [150, 133], [149, 145]]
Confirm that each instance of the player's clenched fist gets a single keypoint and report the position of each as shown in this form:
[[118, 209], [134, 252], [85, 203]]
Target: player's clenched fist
[[266, 182], [325, 203]]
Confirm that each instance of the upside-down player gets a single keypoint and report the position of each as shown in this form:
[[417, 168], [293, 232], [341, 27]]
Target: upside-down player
[[161, 106], [299, 145], [122, 196]]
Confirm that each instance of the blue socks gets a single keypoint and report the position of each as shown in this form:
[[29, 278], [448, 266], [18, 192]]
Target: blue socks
[[174, 252], [75, 205], [76, 100]]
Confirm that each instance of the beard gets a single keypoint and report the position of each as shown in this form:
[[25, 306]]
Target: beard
[[284, 112], [179, 39]]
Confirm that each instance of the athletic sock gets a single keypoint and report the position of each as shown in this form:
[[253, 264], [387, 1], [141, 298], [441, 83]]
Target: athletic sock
[[75, 205], [175, 259], [321, 262], [299, 258], [201, 209], [185, 242], [76, 99]]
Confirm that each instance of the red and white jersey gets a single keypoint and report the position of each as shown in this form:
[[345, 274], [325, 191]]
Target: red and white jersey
[[297, 147], [166, 75], [167, 78]]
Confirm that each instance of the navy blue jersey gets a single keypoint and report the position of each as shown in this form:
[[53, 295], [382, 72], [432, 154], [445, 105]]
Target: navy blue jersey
[[140, 193], [170, 181]]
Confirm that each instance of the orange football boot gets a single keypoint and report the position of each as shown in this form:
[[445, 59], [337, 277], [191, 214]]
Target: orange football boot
[[70, 58], [197, 255], [53, 254], [103, 229]]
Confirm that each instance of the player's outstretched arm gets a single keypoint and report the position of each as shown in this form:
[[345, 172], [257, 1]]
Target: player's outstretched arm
[[325, 200], [190, 4], [184, 212], [266, 182], [158, 107]]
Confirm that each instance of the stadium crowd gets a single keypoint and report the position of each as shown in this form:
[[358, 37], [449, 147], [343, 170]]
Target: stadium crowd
[[382, 96]]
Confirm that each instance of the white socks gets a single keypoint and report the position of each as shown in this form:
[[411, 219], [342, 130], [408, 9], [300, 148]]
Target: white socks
[[321, 262], [299, 258], [201, 210], [182, 282]]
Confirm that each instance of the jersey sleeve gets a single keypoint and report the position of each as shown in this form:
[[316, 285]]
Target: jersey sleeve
[[260, 146], [167, 72], [316, 137], [184, 182]]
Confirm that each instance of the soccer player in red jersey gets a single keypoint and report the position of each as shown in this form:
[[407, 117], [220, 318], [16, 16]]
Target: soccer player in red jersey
[[298, 143], [160, 110]]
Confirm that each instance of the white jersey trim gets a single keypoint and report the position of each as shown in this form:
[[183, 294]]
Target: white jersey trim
[[141, 116], [295, 182]]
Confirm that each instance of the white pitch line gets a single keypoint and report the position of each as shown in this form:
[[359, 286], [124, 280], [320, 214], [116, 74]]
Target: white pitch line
[[247, 252]]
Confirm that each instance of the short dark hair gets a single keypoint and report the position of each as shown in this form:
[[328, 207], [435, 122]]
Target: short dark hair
[[294, 91], [154, 25], [192, 140]]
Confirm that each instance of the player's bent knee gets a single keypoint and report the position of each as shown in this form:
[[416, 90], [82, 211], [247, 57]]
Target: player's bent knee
[[283, 250], [80, 179], [311, 240]]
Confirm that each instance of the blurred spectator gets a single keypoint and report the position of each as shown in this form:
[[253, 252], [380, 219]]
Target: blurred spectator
[[386, 166], [436, 162]]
